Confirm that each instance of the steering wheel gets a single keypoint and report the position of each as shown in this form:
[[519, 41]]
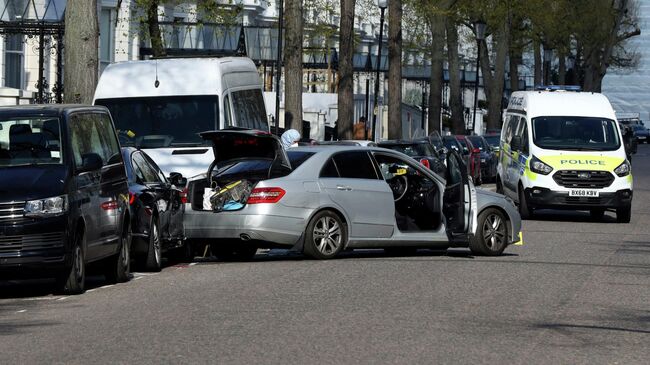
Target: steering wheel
[[399, 185]]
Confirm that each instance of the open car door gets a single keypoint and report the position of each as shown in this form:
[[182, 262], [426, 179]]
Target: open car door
[[458, 202]]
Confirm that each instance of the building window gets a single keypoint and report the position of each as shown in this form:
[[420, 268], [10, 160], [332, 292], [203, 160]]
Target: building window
[[106, 38], [14, 61]]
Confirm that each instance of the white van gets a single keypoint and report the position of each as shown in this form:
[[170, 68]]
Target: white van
[[161, 105], [562, 149]]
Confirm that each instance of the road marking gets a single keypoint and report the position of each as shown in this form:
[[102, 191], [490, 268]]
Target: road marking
[[106, 286], [22, 311], [63, 298], [193, 263], [90, 290], [138, 277], [41, 298]]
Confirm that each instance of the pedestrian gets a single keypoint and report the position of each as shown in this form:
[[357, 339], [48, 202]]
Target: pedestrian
[[290, 138]]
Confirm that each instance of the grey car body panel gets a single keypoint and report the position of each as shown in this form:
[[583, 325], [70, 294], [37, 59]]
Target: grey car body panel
[[368, 211]]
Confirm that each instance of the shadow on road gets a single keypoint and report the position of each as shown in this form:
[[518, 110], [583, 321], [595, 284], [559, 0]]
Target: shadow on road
[[550, 215], [39, 287]]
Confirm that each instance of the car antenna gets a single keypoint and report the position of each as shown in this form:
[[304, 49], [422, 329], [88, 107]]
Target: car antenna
[[156, 83]]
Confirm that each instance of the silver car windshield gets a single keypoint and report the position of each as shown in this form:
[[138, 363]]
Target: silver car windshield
[[30, 141], [575, 133]]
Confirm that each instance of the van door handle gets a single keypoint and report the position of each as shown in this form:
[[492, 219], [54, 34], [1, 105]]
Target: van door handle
[[343, 188]]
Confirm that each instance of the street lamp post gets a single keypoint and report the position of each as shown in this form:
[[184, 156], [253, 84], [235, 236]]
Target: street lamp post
[[382, 4], [548, 57], [479, 28]]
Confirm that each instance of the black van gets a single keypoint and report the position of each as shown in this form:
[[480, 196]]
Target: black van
[[63, 195]]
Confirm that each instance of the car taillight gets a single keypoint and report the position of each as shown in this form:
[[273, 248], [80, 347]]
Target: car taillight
[[110, 205], [425, 163], [131, 198], [265, 195], [183, 195]]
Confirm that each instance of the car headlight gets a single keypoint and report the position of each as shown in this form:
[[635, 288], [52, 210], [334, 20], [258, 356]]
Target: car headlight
[[623, 169], [47, 207], [539, 167]]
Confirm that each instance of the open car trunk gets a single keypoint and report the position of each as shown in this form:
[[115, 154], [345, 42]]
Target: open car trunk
[[242, 159]]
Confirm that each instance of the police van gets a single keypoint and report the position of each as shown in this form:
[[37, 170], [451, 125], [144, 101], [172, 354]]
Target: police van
[[563, 149]]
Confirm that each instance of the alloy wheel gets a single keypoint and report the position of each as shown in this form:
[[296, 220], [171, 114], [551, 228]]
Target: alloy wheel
[[327, 235], [156, 243], [494, 232], [78, 264]]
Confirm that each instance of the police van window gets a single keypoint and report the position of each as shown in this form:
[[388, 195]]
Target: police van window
[[575, 133], [512, 124], [524, 138]]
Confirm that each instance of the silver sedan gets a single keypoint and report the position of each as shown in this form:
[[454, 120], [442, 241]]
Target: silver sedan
[[323, 199]]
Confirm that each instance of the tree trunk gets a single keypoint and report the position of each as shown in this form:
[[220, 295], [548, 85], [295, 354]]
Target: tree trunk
[[293, 65], [436, 24], [81, 51], [537, 55], [562, 70], [494, 83], [157, 47], [455, 99], [395, 69], [346, 71], [514, 70]]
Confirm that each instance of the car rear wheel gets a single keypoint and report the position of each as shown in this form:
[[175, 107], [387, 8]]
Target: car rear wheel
[[492, 236], [153, 261], [326, 235], [624, 214], [73, 281], [118, 268]]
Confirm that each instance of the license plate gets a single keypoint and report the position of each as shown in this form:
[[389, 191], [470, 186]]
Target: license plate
[[584, 193]]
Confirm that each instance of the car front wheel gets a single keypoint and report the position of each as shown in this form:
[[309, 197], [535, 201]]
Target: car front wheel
[[325, 237], [73, 280], [492, 235]]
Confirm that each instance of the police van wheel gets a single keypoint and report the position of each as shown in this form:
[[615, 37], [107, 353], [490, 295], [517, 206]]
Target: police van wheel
[[524, 209], [623, 215]]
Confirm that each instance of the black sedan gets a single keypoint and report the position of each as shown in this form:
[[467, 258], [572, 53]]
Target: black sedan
[[157, 208], [641, 133], [419, 149]]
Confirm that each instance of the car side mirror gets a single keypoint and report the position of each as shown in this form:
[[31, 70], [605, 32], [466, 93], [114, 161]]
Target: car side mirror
[[175, 178], [515, 144], [90, 162]]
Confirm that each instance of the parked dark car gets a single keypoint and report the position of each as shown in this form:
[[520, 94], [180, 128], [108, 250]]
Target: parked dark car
[[64, 197], [489, 159], [472, 156], [419, 149], [641, 133], [157, 207]]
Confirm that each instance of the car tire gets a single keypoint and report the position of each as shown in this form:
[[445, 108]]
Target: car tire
[[328, 229], [624, 214], [525, 210], [492, 235], [597, 214], [233, 253], [153, 261], [73, 280], [118, 267]]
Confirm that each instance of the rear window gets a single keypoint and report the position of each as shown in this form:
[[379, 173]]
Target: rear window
[[298, 158], [231, 147]]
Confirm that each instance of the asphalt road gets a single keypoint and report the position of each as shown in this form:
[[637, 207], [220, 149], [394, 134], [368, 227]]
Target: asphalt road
[[578, 291]]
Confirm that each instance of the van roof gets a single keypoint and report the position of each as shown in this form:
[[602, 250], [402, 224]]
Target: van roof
[[176, 76], [561, 103]]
